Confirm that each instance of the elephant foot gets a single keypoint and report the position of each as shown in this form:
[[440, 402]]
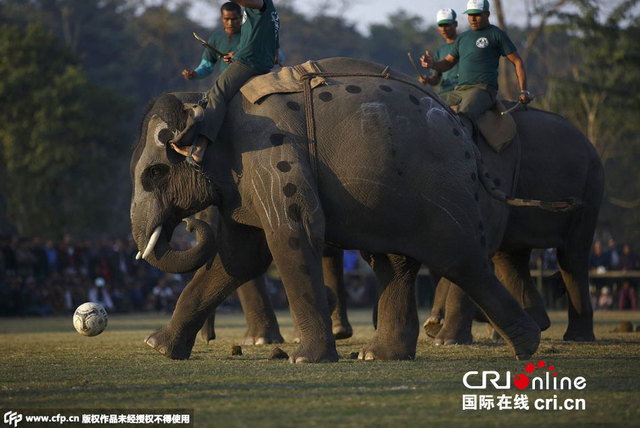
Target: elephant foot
[[207, 333], [523, 338], [540, 316], [161, 342], [262, 339], [579, 336], [448, 337], [314, 353], [342, 331], [388, 350], [432, 326]]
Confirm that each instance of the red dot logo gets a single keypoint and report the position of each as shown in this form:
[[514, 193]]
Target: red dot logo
[[521, 381], [541, 364], [550, 368], [530, 368]]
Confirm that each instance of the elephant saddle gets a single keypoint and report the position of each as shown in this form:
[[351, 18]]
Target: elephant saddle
[[283, 81], [497, 129]]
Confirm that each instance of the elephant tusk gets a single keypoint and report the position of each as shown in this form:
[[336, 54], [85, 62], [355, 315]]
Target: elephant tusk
[[152, 241], [139, 255]]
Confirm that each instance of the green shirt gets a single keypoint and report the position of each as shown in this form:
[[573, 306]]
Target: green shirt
[[259, 41], [449, 77], [224, 44], [478, 53]]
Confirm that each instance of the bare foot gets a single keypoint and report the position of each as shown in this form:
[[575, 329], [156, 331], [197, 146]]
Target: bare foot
[[198, 152]]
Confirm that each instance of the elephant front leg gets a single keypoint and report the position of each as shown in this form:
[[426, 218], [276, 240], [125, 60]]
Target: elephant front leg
[[433, 324], [297, 256], [397, 327], [262, 325], [458, 318], [332, 268], [196, 302]]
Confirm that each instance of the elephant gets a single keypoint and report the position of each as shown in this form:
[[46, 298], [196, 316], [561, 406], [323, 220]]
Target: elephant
[[383, 166], [574, 168]]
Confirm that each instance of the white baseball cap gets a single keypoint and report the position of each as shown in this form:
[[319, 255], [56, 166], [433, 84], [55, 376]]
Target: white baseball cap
[[477, 6], [446, 16]]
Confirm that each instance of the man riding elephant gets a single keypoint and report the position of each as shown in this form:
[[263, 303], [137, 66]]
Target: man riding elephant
[[477, 53]]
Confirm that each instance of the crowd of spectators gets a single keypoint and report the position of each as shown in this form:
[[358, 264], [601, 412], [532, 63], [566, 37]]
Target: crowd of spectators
[[53, 278]]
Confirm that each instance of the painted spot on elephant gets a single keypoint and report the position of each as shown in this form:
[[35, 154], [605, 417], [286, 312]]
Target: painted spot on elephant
[[473, 176], [325, 96], [467, 155], [289, 189], [436, 119], [294, 243], [456, 132], [353, 89], [414, 100], [294, 212], [385, 88], [277, 139], [497, 182], [293, 105], [481, 226], [284, 166], [400, 172]]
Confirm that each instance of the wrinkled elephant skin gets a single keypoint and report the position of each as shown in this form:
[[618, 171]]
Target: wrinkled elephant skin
[[395, 173]]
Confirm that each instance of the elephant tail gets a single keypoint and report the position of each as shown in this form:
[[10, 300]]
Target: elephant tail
[[568, 204]]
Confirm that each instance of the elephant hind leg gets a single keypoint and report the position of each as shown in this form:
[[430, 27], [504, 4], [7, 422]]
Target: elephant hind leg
[[433, 324], [332, 268], [512, 269], [262, 325], [458, 317], [575, 274], [398, 327]]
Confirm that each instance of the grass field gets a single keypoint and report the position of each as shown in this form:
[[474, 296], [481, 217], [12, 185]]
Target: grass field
[[45, 364]]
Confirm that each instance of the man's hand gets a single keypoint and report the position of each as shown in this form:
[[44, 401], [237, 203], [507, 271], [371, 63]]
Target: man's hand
[[188, 74], [525, 97], [228, 57], [426, 60]]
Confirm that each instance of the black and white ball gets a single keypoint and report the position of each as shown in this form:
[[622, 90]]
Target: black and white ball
[[90, 319]]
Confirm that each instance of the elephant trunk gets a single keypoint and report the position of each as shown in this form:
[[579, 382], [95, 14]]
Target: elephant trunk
[[161, 255]]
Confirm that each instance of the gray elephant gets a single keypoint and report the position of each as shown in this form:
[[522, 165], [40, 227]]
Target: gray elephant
[[388, 170], [557, 159]]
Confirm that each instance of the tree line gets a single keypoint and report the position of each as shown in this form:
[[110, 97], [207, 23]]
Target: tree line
[[77, 75]]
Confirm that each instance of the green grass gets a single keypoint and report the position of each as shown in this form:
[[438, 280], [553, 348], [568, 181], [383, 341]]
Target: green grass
[[45, 364]]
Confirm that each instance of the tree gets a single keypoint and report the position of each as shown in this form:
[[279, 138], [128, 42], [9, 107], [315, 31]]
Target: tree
[[58, 162]]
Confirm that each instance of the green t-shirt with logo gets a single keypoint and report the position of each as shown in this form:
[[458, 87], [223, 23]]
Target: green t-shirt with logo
[[478, 53], [224, 43], [449, 77], [259, 39]]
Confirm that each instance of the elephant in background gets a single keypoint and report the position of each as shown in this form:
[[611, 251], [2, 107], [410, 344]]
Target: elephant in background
[[386, 150], [557, 159]]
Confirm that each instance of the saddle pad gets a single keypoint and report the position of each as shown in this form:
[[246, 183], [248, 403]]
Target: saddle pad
[[285, 80], [498, 130]]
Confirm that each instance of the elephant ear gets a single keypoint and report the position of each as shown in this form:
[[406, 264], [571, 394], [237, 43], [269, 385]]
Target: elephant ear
[[195, 117]]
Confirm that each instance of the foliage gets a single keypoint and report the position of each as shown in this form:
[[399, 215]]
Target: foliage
[[56, 156]]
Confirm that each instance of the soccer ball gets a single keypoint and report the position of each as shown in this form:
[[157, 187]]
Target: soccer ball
[[90, 319]]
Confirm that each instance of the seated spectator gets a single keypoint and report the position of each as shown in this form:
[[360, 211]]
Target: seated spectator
[[627, 296], [605, 301], [598, 261], [99, 294], [612, 254], [628, 259]]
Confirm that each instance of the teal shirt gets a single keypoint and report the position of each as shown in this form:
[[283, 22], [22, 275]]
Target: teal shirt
[[478, 53], [224, 44], [450, 77], [259, 40]]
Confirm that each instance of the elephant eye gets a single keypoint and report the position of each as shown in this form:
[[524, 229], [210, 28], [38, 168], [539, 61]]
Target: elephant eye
[[153, 176]]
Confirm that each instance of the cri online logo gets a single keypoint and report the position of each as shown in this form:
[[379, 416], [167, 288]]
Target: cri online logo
[[548, 381]]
